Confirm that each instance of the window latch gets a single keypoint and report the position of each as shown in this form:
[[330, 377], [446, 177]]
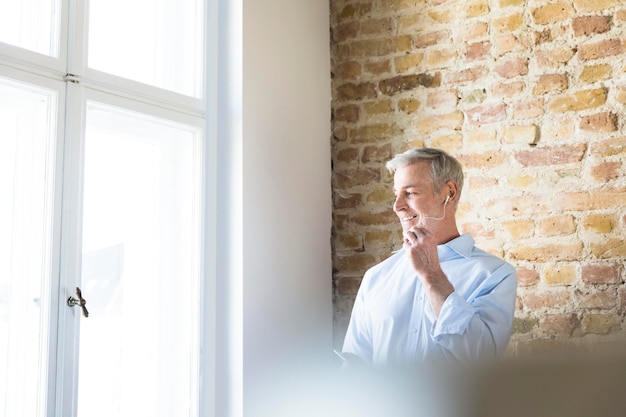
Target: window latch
[[71, 78], [80, 301]]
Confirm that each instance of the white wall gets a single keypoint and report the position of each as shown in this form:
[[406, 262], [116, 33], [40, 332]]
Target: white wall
[[274, 294]]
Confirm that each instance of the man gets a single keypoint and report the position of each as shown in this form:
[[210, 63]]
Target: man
[[440, 297]]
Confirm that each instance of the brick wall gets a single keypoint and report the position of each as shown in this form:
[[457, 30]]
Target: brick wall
[[530, 95]]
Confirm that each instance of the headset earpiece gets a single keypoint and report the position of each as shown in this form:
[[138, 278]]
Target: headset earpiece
[[447, 199]]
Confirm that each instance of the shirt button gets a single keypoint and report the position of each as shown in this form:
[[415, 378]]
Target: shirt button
[[414, 330]]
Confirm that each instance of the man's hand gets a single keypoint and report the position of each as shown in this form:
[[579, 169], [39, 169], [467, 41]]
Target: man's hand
[[421, 249]]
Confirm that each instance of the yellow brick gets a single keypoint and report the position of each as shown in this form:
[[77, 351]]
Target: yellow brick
[[508, 23], [443, 16], [559, 275], [476, 8], [557, 226], [378, 238], [481, 135], [519, 229], [349, 241], [595, 73], [504, 3], [552, 13], [600, 223], [474, 30], [520, 134], [449, 143], [610, 248], [409, 105], [373, 133], [354, 262], [599, 323], [381, 195], [407, 62], [586, 99], [596, 5], [378, 107], [520, 181], [441, 58], [430, 124], [547, 253]]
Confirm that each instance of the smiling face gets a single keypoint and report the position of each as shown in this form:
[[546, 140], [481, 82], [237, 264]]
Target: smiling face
[[417, 202]]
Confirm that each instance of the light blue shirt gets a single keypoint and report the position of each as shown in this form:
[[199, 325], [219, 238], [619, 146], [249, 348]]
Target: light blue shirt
[[393, 322]]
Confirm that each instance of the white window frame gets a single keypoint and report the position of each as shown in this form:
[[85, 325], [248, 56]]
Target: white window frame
[[75, 83]]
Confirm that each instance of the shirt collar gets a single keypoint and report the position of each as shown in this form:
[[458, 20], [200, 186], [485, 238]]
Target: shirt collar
[[462, 245]]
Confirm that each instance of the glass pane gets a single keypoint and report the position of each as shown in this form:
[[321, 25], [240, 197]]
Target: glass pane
[[27, 126], [155, 42], [140, 274], [31, 24]]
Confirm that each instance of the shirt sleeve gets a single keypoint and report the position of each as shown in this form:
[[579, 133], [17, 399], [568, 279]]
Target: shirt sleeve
[[480, 326]]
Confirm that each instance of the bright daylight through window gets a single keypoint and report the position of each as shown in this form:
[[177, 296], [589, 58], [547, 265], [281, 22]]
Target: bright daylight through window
[[102, 164]]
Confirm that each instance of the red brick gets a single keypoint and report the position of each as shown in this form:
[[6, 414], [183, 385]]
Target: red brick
[[588, 25], [526, 277], [508, 43], [609, 147], [601, 49], [477, 50], [490, 113], [429, 39], [401, 83], [349, 113], [340, 133], [508, 89], [467, 75], [348, 285], [377, 66], [512, 68], [551, 82], [376, 153], [347, 71], [353, 263], [347, 155], [558, 324], [554, 57], [600, 274], [442, 99], [551, 155], [601, 122], [351, 177], [345, 31], [607, 171], [598, 300], [529, 109], [351, 91], [345, 200], [376, 26], [482, 160], [543, 299]]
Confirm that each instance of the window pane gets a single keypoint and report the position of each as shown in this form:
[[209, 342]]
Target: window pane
[[139, 346], [27, 126], [155, 42], [31, 24]]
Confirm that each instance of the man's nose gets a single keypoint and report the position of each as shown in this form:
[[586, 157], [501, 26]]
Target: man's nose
[[398, 203]]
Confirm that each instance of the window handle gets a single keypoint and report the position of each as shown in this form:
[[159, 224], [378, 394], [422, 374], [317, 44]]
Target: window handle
[[78, 302]]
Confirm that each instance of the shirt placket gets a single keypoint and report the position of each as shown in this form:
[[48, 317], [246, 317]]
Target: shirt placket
[[416, 323]]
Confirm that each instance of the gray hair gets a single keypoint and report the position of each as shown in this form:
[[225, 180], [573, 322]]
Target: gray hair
[[443, 167]]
